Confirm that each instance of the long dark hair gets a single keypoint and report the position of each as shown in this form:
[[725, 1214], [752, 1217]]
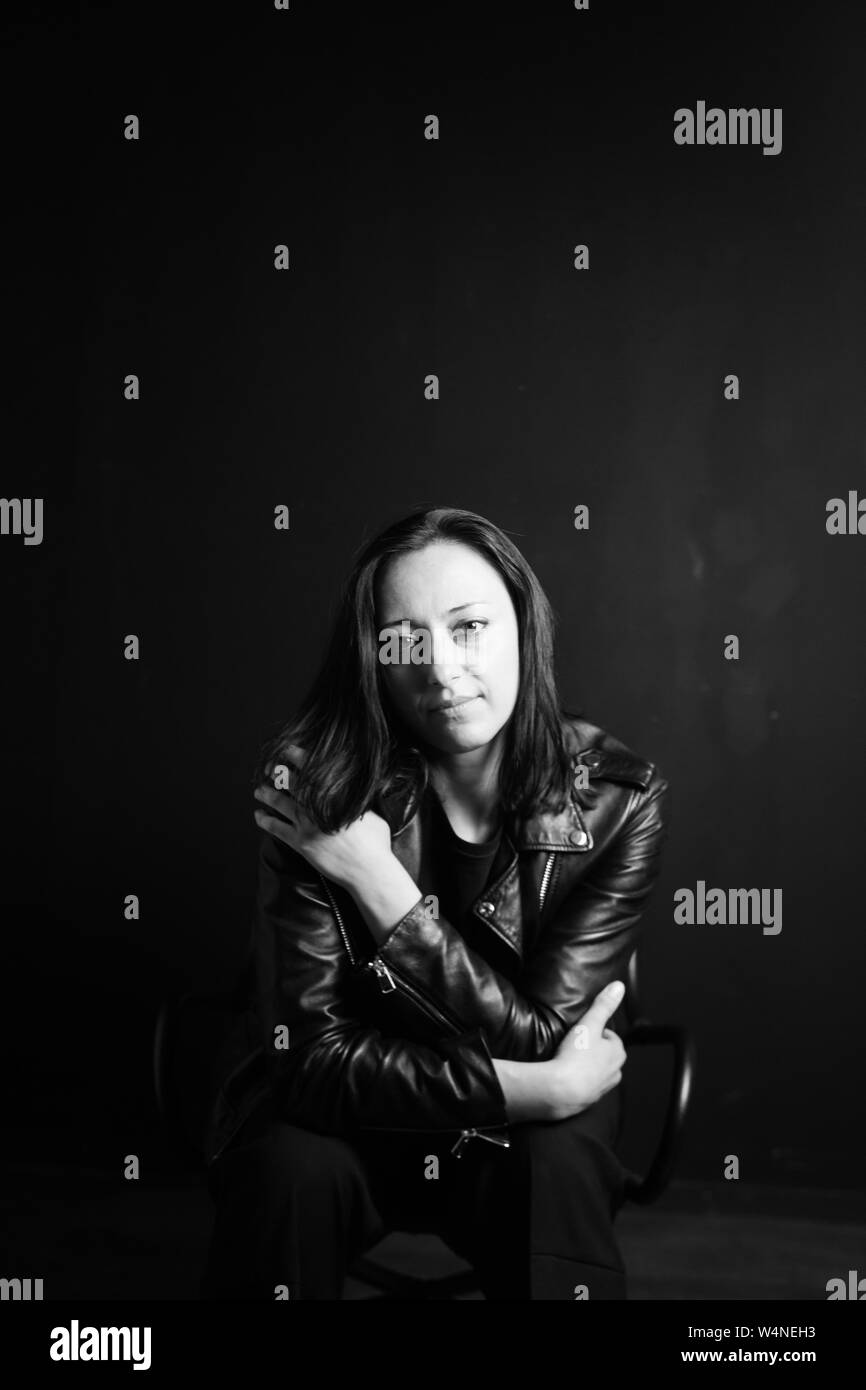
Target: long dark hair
[[357, 747]]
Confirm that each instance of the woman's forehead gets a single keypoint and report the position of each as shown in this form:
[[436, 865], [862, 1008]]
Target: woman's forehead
[[441, 576]]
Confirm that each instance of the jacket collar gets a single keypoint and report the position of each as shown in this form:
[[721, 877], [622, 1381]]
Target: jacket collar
[[564, 831]]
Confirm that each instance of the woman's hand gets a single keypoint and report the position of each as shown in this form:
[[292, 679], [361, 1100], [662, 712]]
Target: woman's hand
[[590, 1058], [348, 857]]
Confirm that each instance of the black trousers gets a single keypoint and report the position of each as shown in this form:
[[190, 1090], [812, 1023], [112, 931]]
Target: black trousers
[[294, 1208]]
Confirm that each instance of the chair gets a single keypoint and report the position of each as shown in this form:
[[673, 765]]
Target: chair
[[183, 1051]]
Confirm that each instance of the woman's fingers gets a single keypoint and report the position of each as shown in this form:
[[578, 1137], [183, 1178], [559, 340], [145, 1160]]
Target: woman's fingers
[[283, 771], [280, 829], [283, 802]]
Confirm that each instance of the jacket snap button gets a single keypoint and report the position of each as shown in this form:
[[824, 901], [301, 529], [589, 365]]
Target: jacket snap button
[[485, 908], [578, 837]]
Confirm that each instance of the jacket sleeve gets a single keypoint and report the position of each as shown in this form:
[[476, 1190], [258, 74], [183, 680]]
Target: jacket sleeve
[[585, 946], [337, 1073]]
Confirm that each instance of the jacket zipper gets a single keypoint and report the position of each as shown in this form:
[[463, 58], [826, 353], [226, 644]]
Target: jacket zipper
[[545, 881], [383, 973]]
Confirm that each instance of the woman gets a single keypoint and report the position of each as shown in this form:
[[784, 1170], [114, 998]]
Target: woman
[[452, 873]]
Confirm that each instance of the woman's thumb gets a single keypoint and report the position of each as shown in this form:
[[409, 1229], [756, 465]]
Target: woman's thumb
[[612, 996]]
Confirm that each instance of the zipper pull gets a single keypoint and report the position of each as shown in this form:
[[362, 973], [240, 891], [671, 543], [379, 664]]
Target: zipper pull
[[502, 1140], [383, 973], [465, 1136]]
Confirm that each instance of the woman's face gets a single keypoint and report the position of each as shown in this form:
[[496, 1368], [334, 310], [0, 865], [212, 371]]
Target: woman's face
[[449, 645]]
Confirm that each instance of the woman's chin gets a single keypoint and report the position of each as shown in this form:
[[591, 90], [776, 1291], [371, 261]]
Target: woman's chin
[[463, 738]]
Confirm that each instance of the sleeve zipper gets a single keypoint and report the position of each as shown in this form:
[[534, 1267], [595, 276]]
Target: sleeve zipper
[[389, 978], [385, 975]]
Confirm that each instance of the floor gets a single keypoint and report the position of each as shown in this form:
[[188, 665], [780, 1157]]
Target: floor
[[91, 1235]]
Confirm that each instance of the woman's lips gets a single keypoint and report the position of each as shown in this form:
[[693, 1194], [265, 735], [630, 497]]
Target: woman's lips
[[456, 710]]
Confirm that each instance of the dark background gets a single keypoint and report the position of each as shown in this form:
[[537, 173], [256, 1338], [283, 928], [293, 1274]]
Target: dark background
[[557, 387]]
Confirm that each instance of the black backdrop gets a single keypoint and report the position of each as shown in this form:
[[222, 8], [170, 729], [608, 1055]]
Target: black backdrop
[[558, 387]]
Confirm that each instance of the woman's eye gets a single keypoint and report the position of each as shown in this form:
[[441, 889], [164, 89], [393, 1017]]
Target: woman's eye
[[471, 627]]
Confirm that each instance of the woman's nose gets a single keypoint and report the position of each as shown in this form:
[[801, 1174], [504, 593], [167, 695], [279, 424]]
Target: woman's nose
[[447, 660]]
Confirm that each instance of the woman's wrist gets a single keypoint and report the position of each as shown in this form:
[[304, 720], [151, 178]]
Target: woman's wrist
[[530, 1089], [384, 893]]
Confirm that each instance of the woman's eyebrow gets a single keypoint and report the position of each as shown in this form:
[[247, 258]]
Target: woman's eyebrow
[[473, 603]]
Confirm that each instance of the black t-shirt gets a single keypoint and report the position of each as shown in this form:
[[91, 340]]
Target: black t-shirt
[[462, 869]]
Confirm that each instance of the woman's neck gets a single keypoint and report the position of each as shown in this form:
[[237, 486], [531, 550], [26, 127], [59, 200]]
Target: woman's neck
[[467, 785]]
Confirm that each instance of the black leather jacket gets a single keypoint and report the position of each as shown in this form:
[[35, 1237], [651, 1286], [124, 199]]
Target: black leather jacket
[[401, 1038]]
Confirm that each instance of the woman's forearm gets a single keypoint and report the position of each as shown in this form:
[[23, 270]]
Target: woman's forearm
[[383, 896], [530, 1090]]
